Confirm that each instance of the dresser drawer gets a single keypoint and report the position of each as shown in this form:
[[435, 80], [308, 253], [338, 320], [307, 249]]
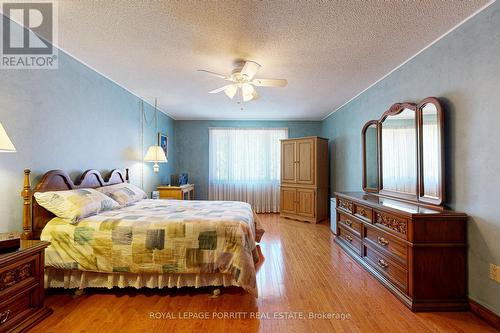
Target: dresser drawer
[[345, 205], [17, 275], [349, 238], [387, 243], [363, 212], [350, 223], [392, 271], [16, 308], [395, 225]]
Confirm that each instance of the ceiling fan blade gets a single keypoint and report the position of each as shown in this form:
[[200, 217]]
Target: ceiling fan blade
[[250, 69], [270, 82], [218, 90], [231, 90], [212, 73], [248, 92]]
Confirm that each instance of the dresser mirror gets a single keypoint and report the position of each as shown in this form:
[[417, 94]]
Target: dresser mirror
[[398, 138], [431, 154], [370, 156], [403, 153]]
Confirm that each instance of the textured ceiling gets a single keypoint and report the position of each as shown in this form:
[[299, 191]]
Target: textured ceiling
[[328, 51]]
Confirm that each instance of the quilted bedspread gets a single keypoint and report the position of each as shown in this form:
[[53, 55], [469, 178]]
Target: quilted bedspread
[[160, 236]]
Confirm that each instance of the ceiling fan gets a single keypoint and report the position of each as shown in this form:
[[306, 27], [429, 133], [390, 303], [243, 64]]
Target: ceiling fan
[[243, 77]]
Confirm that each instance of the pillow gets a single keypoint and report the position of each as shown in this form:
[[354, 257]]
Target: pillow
[[75, 204], [124, 193]]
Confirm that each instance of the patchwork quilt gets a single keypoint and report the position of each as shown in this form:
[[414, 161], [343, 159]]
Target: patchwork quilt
[[159, 236]]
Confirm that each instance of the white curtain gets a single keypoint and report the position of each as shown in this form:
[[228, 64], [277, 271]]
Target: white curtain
[[398, 145], [245, 166], [399, 158], [431, 157]]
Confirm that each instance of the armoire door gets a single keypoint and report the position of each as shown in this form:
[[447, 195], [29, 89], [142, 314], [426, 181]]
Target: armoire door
[[305, 152], [288, 162], [306, 199], [288, 200]]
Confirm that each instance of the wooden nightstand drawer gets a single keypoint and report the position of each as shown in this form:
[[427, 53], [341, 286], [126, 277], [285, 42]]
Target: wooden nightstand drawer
[[18, 274], [21, 287], [184, 192], [17, 307]]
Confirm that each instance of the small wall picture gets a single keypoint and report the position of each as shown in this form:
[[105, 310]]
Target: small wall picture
[[163, 142]]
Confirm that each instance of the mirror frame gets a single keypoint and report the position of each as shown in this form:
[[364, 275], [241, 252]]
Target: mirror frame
[[420, 196], [440, 123], [363, 149]]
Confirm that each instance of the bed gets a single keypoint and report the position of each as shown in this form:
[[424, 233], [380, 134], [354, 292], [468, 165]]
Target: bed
[[151, 243]]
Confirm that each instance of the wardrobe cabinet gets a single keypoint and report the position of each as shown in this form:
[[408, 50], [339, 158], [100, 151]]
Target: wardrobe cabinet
[[304, 179]]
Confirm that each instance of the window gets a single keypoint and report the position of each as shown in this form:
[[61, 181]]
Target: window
[[245, 165]]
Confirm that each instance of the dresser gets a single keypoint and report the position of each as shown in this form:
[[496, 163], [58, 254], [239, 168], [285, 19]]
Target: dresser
[[418, 253], [304, 179], [21, 287], [183, 192]]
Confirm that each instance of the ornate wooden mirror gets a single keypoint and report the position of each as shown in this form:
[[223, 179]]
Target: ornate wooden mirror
[[403, 153], [369, 141], [431, 134]]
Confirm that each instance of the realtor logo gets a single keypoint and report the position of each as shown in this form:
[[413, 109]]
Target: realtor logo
[[28, 34]]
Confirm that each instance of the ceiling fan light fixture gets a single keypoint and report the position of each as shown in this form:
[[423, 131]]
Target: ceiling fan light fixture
[[244, 77], [230, 91], [248, 92]]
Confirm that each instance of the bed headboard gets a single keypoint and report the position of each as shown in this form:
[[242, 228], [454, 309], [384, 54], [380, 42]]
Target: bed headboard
[[35, 217]]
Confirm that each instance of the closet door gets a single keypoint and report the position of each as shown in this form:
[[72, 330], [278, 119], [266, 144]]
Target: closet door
[[288, 200], [288, 173], [306, 202], [305, 151]]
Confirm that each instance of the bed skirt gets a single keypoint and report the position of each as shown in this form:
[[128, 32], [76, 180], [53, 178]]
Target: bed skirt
[[71, 279]]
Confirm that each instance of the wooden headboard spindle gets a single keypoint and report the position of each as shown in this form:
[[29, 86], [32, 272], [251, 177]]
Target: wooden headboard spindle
[[35, 217], [26, 194]]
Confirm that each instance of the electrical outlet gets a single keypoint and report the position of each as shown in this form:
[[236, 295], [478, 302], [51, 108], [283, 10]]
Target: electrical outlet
[[495, 272]]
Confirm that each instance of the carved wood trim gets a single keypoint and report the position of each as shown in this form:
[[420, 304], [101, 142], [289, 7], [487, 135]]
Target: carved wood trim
[[347, 205], [391, 222], [14, 276]]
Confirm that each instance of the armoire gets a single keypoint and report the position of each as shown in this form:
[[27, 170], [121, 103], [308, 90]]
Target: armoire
[[304, 179]]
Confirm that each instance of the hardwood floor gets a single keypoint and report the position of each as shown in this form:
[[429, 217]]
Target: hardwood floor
[[304, 271]]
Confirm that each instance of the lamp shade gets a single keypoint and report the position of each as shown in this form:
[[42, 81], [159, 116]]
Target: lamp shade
[[155, 154], [6, 145]]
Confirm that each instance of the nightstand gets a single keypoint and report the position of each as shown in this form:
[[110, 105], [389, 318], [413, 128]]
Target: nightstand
[[183, 192], [21, 287]]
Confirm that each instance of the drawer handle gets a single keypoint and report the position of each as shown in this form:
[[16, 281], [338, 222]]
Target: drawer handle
[[349, 238], [382, 241], [382, 263], [362, 212], [4, 316], [348, 223]]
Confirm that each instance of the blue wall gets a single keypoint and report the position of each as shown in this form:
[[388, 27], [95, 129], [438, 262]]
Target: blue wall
[[72, 119], [191, 145], [463, 69]]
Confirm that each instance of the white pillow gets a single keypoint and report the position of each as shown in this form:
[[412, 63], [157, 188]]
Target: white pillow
[[124, 193], [75, 204]]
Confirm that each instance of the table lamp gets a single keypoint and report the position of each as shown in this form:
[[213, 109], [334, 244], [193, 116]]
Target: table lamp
[[6, 145]]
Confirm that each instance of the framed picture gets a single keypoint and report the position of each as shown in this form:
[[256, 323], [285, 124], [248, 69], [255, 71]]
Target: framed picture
[[163, 142]]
